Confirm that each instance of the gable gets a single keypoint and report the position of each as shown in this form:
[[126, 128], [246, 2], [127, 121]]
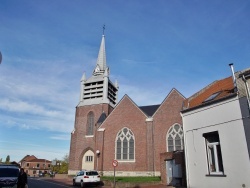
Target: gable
[[174, 99], [126, 108]]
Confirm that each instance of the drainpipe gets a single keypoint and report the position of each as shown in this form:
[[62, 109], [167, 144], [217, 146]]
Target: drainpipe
[[247, 91], [233, 75]]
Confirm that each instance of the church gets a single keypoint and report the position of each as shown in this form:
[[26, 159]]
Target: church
[[144, 140]]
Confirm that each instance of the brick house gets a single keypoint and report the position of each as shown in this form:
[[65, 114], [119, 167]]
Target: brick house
[[33, 166], [143, 139]]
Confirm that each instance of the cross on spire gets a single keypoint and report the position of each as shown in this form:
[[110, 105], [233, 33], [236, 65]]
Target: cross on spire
[[103, 28]]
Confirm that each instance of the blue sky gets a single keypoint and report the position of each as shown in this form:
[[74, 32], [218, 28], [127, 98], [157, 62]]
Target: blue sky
[[151, 47]]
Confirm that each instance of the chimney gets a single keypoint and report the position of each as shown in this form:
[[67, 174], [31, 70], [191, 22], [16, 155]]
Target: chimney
[[233, 75]]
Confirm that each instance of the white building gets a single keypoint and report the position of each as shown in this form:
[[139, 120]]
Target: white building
[[216, 127]]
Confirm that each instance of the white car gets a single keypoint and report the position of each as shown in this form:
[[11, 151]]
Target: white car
[[86, 177]]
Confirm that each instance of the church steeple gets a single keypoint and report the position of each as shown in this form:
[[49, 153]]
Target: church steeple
[[98, 89], [101, 60]]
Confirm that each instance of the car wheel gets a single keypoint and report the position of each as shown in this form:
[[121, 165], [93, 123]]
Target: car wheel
[[82, 184], [74, 183]]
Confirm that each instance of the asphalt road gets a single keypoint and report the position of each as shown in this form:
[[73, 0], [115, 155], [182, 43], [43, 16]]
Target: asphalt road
[[50, 183], [43, 183]]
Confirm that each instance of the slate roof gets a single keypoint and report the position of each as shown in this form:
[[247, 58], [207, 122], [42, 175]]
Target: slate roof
[[216, 91], [149, 110], [102, 118]]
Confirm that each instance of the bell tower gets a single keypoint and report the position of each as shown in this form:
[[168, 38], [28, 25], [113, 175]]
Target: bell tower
[[98, 88], [98, 97]]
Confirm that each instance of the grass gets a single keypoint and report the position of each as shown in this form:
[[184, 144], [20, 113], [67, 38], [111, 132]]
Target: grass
[[131, 179]]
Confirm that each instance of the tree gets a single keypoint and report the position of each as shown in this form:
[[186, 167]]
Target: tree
[[7, 161], [66, 158], [61, 166], [65, 164]]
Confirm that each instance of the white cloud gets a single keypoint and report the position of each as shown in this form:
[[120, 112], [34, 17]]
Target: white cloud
[[24, 107], [41, 99], [61, 137]]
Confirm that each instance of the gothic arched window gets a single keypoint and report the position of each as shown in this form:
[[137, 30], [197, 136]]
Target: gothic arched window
[[175, 138], [125, 145], [90, 123]]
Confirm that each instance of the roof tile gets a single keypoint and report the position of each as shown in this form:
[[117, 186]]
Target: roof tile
[[225, 87]]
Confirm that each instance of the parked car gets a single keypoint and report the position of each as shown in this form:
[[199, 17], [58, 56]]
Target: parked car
[[86, 177], [8, 175]]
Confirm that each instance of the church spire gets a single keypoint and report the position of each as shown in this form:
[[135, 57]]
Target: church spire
[[98, 89], [101, 60]]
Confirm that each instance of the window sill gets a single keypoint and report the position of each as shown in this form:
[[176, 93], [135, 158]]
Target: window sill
[[216, 175], [89, 136], [127, 161]]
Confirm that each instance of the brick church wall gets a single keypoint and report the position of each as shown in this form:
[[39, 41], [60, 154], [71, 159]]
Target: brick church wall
[[79, 142], [167, 115], [126, 114], [150, 135], [150, 145]]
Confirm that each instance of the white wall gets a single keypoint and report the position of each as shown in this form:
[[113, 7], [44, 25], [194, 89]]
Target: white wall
[[226, 119]]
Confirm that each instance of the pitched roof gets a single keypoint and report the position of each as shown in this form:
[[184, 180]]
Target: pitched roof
[[149, 110], [39, 160], [215, 91], [28, 157], [32, 158]]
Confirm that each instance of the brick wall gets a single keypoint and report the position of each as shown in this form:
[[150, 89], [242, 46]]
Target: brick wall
[[167, 115], [79, 142], [150, 135], [126, 114]]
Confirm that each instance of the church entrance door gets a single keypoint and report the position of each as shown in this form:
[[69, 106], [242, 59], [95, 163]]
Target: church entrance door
[[88, 160]]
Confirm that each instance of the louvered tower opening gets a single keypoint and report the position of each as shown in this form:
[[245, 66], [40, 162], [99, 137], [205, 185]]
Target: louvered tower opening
[[93, 90]]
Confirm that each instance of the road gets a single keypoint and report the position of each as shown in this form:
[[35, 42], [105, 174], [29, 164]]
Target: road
[[50, 183], [44, 183]]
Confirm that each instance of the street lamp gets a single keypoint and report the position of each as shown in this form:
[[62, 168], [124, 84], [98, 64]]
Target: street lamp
[[97, 154]]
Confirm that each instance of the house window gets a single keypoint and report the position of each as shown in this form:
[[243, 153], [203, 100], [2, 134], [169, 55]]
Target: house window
[[37, 165], [90, 123], [89, 158], [27, 164], [48, 165], [125, 145], [214, 157], [175, 138], [212, 97]]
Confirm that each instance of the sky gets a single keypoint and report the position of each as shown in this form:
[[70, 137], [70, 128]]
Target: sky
[[151, 47]]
